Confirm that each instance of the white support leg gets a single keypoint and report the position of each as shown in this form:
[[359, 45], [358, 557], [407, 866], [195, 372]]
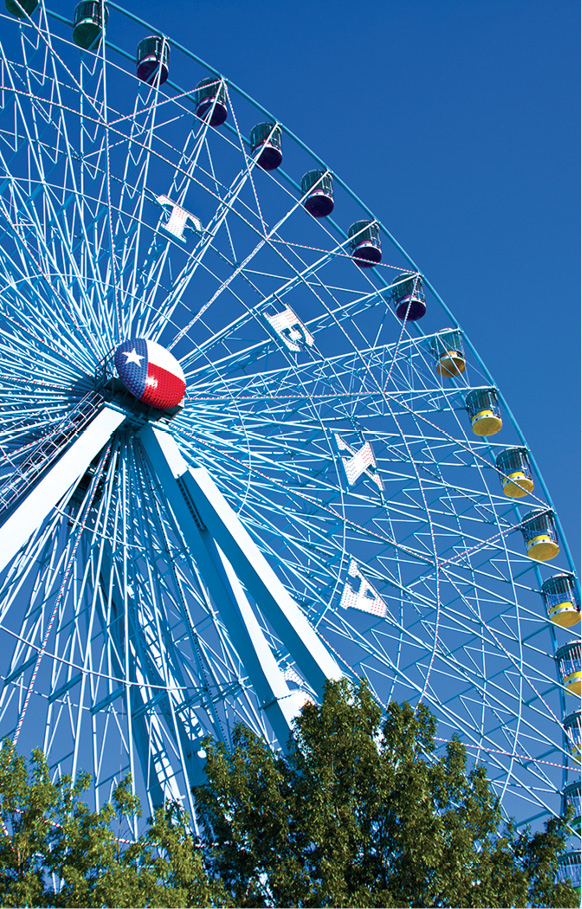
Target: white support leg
[[225, 590], [67, 471], [207, 505], [282, 709]]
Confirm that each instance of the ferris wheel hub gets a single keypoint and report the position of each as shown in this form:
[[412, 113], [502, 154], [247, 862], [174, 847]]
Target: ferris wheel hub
[[150, 373]]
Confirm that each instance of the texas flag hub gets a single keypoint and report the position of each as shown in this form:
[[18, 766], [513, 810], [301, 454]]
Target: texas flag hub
[[151, 373]]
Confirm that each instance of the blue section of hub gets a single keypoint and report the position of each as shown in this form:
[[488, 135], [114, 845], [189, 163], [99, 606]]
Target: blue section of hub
[[131, 362]]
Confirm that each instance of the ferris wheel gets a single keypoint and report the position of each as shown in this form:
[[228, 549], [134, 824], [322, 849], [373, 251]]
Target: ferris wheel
[[245, 445]]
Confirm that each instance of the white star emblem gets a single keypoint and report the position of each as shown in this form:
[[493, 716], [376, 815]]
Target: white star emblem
[[133, 357]]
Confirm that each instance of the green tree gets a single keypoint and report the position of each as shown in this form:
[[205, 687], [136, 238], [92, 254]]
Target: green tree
[[55, 851], [362, 813], [27, 809]]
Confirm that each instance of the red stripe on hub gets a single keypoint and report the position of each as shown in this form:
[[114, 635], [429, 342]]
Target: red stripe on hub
[[163, 389]]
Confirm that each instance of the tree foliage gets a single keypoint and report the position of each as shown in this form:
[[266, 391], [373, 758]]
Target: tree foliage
[[362, 813], [55, 851]]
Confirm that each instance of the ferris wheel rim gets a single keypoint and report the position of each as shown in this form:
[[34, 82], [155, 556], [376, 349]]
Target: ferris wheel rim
[[328, 430]]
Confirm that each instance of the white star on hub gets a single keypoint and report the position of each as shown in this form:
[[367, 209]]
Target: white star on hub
[[133, 357]]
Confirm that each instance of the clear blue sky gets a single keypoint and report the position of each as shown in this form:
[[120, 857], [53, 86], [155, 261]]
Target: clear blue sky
[[457, 122]]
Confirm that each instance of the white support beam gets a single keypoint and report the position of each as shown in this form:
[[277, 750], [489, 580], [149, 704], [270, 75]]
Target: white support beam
[[276, 698], [210, 511], [68, 470], [282, 706]]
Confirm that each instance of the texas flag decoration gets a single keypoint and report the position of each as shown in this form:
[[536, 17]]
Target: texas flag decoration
[[151, 373]]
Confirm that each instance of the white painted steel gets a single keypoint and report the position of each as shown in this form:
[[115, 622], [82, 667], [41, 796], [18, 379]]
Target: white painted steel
[[224, 587], [209, 509], [289, 622], [67, 471]]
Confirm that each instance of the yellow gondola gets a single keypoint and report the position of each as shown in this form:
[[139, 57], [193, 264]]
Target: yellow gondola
[[574, 734], [449, 352], [561, 600], [540, 536], [514, 472], [568, 658], [484, 412]]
